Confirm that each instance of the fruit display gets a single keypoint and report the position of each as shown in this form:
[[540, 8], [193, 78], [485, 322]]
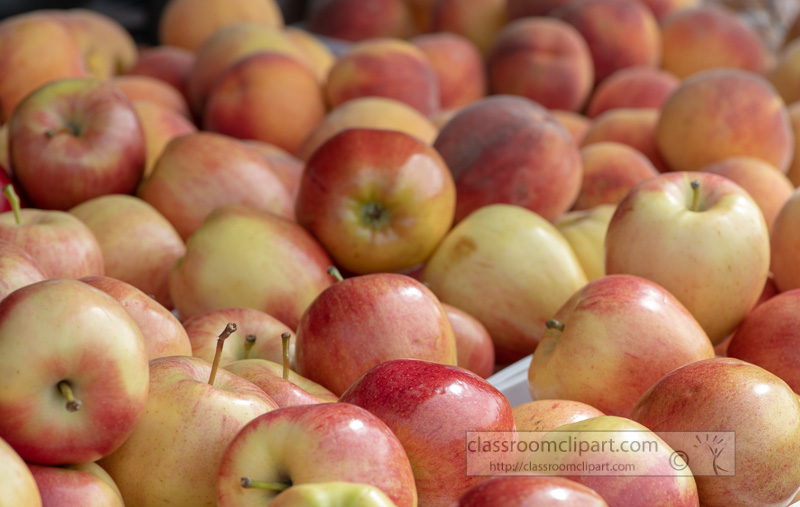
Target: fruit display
[[400, 253]]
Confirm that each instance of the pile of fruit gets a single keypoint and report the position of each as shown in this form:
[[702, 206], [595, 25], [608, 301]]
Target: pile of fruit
[[260, 263]]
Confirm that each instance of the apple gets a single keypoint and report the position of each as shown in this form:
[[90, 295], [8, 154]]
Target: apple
[[285, 165], [58, 242], [162, 331], [84, 484], [321, 494], [312, 444], [430, 407], [360, 322], [17, 268], [701, 237], [286, 388], [585, 230], [545, 415], [16, 481], [474, 347], [153, 90], [139, 246], [173, 454], [160, 125], [509, 268], [170, 64], [618, 335], [82, 127], [530, 492], [74, 368], [759, 462], [377, 200]]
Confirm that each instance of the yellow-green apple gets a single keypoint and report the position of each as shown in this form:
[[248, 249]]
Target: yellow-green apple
[[74, 139], [729, 395], [145, 88], [659, 477], [160, 125], [585, 230], [509, 149], [203, 330], [785, 245], [474, 347], [698, 235], [16, 481], [174, 452], [530, 492], [138, 244], [345, 443], [170, 64], [280, 270], [348, 20], [162, 331], [360, 322], [377, 200], [188, 23], [197, 173], [430, 407], [36, 50], [83, 484], [287, 392], [321, 494], [546, 415], [610, 170], [17, 268], [618, 335], [769, 337], [632, 87], [509, 268], [286, 166], [75, 369]]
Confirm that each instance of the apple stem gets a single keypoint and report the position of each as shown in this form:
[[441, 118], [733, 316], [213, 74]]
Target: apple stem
[[554, 324], [695, 194], [285, 337], [249, 342], [73, 405], [247, 482], [13, 200], [230, 328], [335, 273]]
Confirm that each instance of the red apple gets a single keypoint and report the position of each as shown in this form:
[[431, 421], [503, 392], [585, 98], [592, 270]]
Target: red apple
[[474, 347], [85, 484], [530, 492], [268, 375], [17, 268]]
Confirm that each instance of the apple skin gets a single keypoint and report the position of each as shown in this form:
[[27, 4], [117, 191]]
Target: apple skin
[[296, 390], [65, 330], [378, 200], [62, 245], [430, 407], [162, 331], [769, 337], [326, 494], [82, 127], [73, 486], [344, 442], [16, 481], [585, 230], [17, 269], [545, 415], [366, 320], [474, 347], [530, 492], [621, 334], [656, 234], [758, 406], [785, 245], [172, 456]]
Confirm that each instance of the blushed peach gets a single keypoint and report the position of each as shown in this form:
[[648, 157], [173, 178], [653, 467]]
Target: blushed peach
[[576, 123], [793, 173], [478, 20], [318, 56], [146, 88], [634, 127], [632, 87], [785, 75], [168, 63], [610, 170], [356, 20], [516, 9]]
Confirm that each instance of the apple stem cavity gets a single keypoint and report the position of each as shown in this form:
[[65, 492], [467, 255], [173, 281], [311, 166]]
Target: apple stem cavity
[[73, 404], [65, 129], [695, 194], [230, 328], [13, 200], [247, 482], [249, 342], [335, 273], [285, 337]]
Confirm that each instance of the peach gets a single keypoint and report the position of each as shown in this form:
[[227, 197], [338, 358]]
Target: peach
[[543, 59], [768, 187], [370, 112], [516, 9], [287, 167], [160, 125], [610, 170], [576, 123], [620, 33], [785, 75], [458, 65], [785, 245], [422, 14], [632, 87], [634, 127], [188, 23], [722, 113], [663, 8], [318, 56], [708, 37], [509, 149], [793, 173], [384, 67], [267, 97], [352, 20], [478, 20], [168, 63], [152, 90]]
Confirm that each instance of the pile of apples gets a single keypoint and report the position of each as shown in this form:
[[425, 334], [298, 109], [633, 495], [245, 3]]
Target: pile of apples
[[261, 263]]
